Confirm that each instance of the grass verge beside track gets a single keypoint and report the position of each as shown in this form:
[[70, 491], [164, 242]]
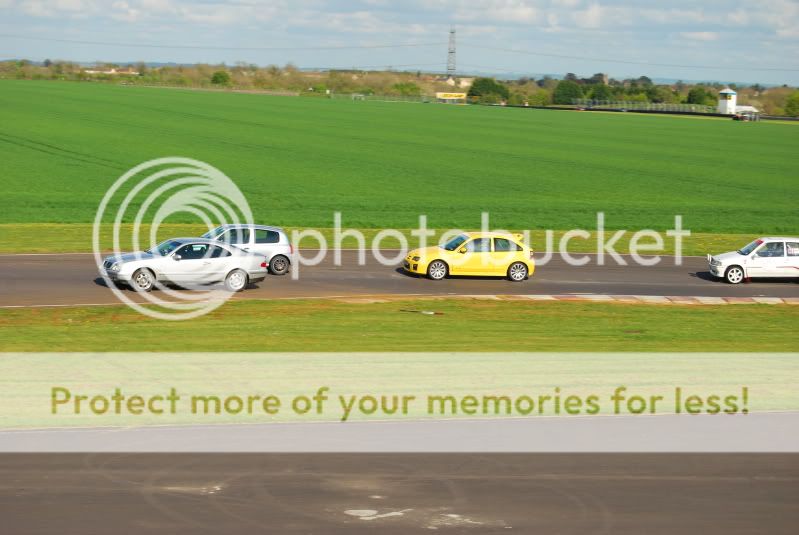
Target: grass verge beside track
[[331, 325], [77, 237]]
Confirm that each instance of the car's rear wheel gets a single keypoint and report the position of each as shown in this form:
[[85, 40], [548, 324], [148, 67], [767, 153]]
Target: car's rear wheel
[[437, 270], [143, 280], [517, 271], [734, 274], [279, 265], [236, 280]]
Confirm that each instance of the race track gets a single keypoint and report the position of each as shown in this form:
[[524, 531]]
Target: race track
[[87, 494], [72, 279]]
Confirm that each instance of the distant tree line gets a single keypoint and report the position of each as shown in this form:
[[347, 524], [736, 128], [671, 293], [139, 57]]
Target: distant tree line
[[544, 91], [782, 100]]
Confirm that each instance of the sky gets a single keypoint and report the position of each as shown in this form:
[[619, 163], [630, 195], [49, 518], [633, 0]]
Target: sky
[[725, 40]]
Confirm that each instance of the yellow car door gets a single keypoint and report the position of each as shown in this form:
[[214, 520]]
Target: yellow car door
[[472, 258], [504, 253]]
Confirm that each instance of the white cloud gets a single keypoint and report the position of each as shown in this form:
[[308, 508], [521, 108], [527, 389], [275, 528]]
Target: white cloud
[[591, 17], [508, 11], [700, 36]]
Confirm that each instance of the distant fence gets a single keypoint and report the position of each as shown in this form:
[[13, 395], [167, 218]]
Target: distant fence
[[229, 89], [779, 118], [642, 106], [382, 98]]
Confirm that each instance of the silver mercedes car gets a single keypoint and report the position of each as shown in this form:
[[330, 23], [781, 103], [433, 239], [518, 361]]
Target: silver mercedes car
[[187, 262]]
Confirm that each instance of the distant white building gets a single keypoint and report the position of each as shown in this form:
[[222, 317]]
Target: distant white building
[[463, 83], [727, 101], [728, 104]]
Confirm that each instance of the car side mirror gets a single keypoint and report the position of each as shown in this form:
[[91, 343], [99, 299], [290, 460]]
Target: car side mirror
[[462, 250], [176, 257]]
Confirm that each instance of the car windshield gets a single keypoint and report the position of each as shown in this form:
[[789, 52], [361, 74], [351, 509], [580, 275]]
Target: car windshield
[[749, 248], [164, 248], [454, 243], [212, 234]]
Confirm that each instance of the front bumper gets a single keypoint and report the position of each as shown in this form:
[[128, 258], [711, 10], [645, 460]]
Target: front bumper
[[115, 276], [412, 266]]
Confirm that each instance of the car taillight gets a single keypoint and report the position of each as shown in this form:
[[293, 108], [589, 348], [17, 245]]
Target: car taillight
[[291, 248], [531, 254], [263, 264]]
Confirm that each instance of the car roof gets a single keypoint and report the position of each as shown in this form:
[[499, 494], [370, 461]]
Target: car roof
[[245, 225], [779, 238], [193, 240], [475, 234]]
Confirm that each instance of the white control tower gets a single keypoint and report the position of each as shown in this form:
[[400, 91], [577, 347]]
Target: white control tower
[[727, 101]]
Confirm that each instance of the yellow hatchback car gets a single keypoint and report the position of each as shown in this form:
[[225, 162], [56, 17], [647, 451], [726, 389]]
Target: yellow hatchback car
[[474, 253]]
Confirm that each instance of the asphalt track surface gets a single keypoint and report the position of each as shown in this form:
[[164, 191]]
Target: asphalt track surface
[[72, 279], [399, 493]]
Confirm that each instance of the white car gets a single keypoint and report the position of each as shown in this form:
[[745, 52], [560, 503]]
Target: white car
[[187, 262], [764, 257], [272, 242]]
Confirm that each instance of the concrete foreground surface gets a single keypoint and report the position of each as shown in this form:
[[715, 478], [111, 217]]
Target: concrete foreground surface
[[399, 493]]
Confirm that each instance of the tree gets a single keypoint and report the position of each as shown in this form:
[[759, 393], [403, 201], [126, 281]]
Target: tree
[[547, 82], [220, 78], [792, 105], [597, 78], [699, 95], [566, 92], [407, 89], [602, 92], [660, 93], [483, 87]]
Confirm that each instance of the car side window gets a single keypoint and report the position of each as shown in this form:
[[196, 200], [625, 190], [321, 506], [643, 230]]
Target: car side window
[[194, 251], [503, 245], [773, 249], [219, 252], [479, 245], [792, 248], [266, 236], [236, 236]]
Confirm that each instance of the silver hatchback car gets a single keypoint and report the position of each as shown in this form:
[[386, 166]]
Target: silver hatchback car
[[272, 242], [188, 262]]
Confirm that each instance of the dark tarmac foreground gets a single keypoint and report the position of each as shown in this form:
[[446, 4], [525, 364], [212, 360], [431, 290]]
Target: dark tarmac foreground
[[88, 494]]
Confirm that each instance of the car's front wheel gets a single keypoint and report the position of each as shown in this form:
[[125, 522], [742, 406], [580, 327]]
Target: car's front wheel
[[437, 270], [734, 274], [236, 280], [143, 280], [279, 265], [517, 271]]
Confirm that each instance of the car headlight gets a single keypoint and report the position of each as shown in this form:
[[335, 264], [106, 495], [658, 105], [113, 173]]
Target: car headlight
[[715, 262], [115, 267], [415, 258]]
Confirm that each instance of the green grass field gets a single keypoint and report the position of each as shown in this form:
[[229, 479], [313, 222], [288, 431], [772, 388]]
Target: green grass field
[[298, 160], [77, 237], [323, 325]]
